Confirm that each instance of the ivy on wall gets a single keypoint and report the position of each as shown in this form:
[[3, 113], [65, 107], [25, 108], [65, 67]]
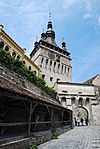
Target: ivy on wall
[[19, 67]]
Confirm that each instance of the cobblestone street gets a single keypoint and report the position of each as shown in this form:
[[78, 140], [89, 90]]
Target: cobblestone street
[[82, 137]]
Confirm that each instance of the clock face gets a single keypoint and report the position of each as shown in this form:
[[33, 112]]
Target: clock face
[[51, 55]]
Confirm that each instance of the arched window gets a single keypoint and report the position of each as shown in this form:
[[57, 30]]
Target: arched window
[[73, 100], [80, 101], [14, 54], [46, 61], [42, 60], [7, 48], [50, 63], [1, 44], [29, 67]]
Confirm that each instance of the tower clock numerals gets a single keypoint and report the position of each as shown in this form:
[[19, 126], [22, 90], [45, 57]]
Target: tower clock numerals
[[51, 55]]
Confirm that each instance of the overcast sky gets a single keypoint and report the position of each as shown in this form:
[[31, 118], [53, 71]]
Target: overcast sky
[[77, 21]]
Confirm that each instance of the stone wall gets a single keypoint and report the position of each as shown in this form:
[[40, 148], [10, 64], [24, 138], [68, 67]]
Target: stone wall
[[20, 81], [38, 139]]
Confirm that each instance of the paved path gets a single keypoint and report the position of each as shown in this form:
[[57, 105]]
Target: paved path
[[82, 137]]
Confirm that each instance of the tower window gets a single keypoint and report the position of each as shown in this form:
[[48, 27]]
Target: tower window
[[42, 60], [43, 76], [46, 61], [68, 71], [50, 63], [58, 58], [65, 69], [51, 78], [54, 64], [62, 69]]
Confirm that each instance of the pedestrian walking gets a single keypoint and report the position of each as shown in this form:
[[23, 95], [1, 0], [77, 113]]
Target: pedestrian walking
[[81, 121], [78, 121]]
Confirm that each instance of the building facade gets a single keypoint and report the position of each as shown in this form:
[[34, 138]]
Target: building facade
[[80, 98], [7, 43], [55, 62]]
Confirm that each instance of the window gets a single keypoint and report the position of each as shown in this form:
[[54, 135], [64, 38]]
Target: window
[[50, 63], [68, 71], [73, 100], [62, 69], [57, 58], [65, 69], [63, 99], [58, 79], [18, 57], [51, 78], [58, 68], [29, 67], [79, 92], [46, 61], [14, 54], [87, 101], [80, 101], [1, 44], [54, 64], [7, 48], [43, 76], [24, 62], [42, 60]]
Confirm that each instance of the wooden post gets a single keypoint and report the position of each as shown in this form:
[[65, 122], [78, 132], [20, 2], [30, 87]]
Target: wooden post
[[31, 111], [29, 127], [62, 114], [52, 113]]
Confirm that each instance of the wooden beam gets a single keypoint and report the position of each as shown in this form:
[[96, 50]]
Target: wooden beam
[[14, 124]]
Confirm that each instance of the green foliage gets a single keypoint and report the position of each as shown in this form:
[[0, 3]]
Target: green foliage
[[19, 67], [53, 130], [33, 146], [54, 136]]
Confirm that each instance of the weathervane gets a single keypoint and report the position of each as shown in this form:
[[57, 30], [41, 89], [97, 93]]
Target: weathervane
[[49, 16]]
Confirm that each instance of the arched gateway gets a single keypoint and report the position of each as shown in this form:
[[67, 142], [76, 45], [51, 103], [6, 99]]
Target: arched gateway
[[81, 113]]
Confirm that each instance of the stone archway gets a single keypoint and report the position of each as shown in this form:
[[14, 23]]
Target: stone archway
[[81, 112]]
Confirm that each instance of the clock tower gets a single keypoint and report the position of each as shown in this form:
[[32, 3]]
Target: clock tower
[[55, 62]]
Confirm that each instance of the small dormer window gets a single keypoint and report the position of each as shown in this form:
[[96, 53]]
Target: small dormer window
[[18, 57], [1, 44], [14, 54], [7, 48], [29, 67]]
